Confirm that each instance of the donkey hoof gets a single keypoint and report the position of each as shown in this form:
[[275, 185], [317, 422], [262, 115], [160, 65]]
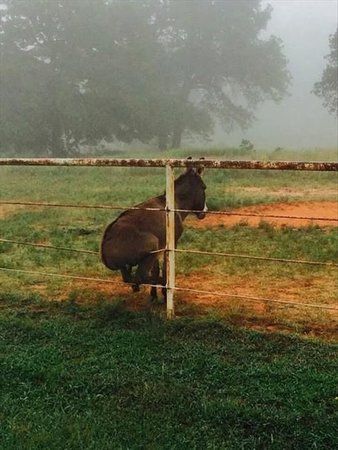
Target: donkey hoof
[[156, 301], [136, 288], [153, 294]]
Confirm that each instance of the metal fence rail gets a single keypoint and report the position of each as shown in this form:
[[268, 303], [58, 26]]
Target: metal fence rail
[[207, 163], [170, 210]]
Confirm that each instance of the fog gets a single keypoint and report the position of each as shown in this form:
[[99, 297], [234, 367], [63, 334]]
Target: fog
[[299, 121], [78, 74]]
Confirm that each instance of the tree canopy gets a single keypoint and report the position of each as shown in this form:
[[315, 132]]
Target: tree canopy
[[79, 71], [327, 87]]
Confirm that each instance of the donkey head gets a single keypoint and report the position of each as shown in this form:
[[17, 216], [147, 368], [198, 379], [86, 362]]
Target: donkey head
[[190, 191]]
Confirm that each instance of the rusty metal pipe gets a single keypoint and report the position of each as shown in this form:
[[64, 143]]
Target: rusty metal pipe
[[207, 163]]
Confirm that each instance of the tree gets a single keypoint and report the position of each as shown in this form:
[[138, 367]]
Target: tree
[[327, 88], [223, 66], [40, 95], [71, 74], [79, 71]]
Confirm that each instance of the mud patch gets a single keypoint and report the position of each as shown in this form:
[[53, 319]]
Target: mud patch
[[324, 209]]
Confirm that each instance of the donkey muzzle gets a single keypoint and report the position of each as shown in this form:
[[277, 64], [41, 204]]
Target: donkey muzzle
[[202, 214]]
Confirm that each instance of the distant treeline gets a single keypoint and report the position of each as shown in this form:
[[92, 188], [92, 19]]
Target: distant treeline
[[75, 72]]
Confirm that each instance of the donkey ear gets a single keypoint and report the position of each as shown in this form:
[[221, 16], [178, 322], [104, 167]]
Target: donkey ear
[[200, 169], [190, 167]]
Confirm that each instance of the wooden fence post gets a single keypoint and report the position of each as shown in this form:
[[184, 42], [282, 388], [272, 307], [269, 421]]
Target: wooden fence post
[[170, 240]]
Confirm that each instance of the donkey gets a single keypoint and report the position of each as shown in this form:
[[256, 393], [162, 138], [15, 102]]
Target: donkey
[[130, 240]]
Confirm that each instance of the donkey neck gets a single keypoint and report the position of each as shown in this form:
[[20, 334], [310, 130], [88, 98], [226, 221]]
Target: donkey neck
[[183, 204], [179, 204]]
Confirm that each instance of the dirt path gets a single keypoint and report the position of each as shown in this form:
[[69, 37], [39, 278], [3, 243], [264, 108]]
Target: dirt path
[[324, 209]]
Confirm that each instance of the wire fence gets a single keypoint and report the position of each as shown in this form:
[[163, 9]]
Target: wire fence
[[177, 288], [75, 277], [188, 211], [197, 252], [170, 210]]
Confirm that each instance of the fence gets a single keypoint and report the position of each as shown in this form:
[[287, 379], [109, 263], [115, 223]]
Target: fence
[[170, 211]]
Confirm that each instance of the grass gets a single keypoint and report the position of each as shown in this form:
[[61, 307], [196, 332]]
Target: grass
[[82, 377], [279, 154], [80, 228], [124, 186], [226, 188], [83, 231], [80, 368]]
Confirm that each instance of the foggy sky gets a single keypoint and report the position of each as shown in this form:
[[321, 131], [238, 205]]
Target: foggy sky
[[300, 120]]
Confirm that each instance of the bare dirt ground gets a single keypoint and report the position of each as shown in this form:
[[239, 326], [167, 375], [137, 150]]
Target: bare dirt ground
[[323, 209], [258, 315]]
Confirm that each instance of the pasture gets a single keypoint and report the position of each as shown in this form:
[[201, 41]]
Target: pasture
[[98, 365], [79, 376]]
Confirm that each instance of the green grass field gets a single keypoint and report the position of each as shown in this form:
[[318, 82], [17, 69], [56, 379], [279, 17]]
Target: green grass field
[[226, 188], [102, 377], [80, 367]]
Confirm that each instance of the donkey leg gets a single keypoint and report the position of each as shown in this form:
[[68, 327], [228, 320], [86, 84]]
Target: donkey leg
[[155, 276], [143, 274], [126, 274], [127, 277]]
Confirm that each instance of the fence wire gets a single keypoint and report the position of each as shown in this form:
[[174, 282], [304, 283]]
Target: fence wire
[[259, 258], [47, 246], [192, 211], [270, 216], [256, 299], [76, 277], [177, 288], [81, 206], [198, 252], [311, 166]]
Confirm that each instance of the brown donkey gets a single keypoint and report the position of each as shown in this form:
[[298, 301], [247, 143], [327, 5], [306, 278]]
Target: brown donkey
[[130, 239]]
